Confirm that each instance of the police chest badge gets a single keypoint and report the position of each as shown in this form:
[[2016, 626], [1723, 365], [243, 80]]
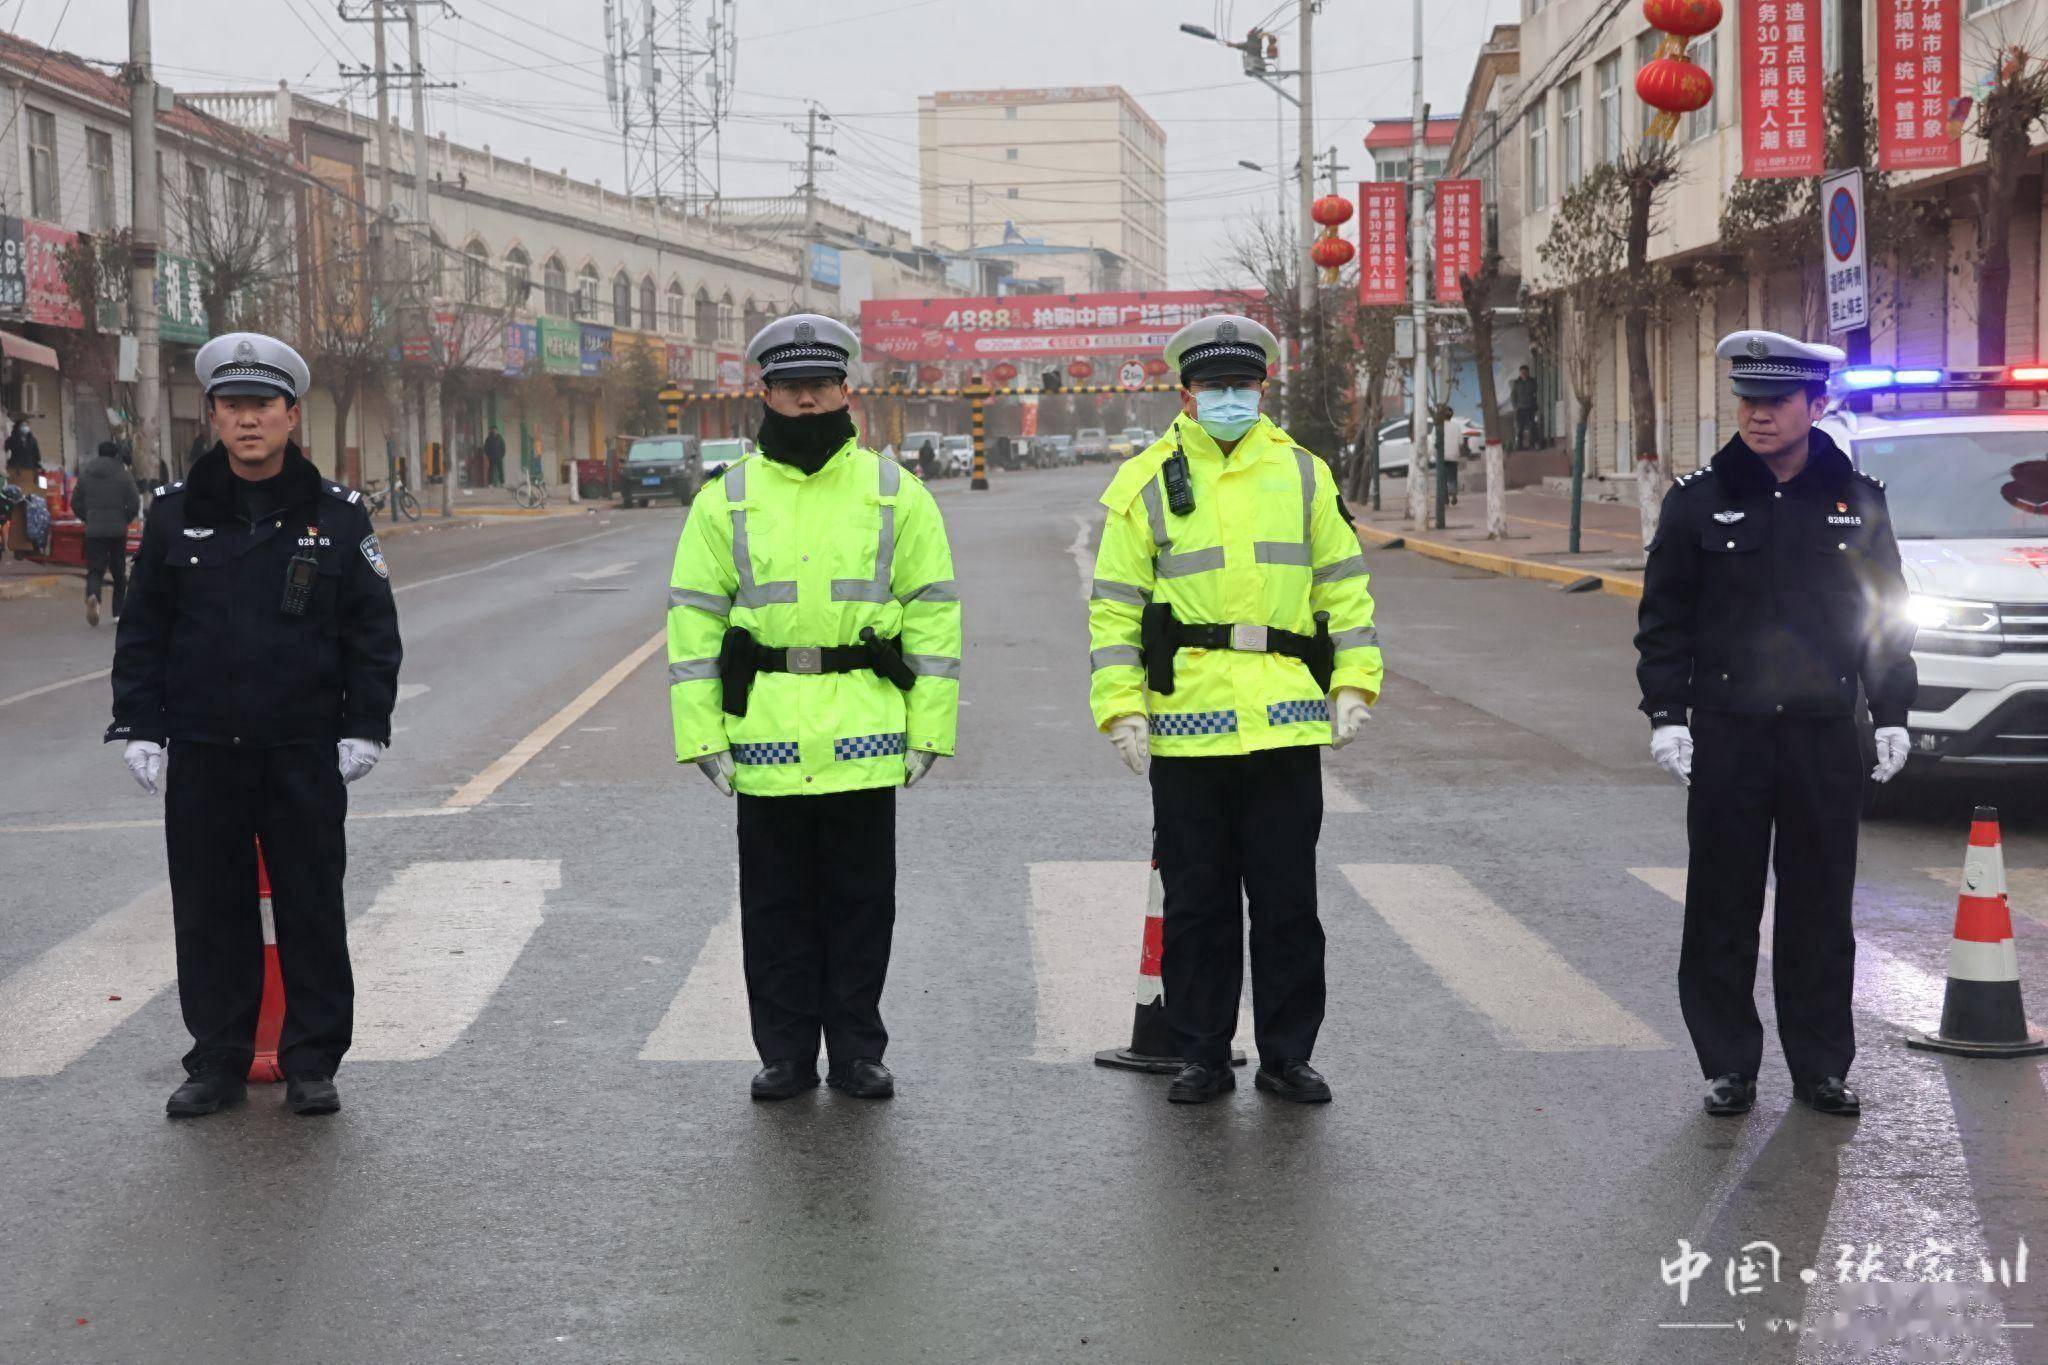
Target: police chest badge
[[375, 554], [1729, 518]]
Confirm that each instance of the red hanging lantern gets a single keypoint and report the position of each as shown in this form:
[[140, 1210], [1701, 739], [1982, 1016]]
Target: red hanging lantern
[[1332, 253], [1080, 369], [1004, 372], [1155, 367], [929, 374], [1687, 18], [1332, 210], [1674, 85]]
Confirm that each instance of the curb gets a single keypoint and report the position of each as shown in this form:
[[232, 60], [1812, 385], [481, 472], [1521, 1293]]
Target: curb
[[426, 523], [33, 585], [1506, 565]]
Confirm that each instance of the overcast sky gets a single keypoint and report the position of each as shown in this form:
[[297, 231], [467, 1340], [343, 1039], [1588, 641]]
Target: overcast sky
[[531, 83]]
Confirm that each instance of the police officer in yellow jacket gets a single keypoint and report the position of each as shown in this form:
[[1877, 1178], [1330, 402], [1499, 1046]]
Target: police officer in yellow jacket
[[814, 666], [1231, 637]]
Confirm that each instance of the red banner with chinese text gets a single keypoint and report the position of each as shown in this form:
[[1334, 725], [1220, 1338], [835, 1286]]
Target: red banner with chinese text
[[1029, 327], [1458, 229], [1382, 242], [1919, 55], [49, 294], [1781, 89]]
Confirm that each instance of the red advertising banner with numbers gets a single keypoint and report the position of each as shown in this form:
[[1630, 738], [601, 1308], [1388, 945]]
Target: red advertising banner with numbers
[[1382, 242], [1781, 89], [1919, 58], [1458, 230]]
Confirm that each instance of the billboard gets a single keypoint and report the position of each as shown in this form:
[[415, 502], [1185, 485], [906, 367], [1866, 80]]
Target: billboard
[[1781, 88], [1383, 242], [1029, 326], [1919, 61], [1458, 229]]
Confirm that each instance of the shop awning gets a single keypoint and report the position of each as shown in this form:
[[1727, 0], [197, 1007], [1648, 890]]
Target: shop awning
[[21, 348]]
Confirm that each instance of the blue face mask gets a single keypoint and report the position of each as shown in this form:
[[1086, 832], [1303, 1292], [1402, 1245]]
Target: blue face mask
[[1227, 414]]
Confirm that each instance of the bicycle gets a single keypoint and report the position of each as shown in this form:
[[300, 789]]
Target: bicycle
[[374, 498], [529, 494]]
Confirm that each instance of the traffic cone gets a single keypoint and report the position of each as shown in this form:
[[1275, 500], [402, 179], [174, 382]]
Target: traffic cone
[[1151, 1047], [270, 1017], [1982, 1014]]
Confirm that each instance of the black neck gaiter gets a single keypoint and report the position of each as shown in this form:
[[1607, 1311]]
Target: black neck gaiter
[[804, 443]]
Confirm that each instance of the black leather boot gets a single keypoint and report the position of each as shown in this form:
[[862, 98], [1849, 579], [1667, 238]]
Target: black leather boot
[[209, 1092], [311, 1095], [782, 1080], [1200, 1082], [864, 1078], [1829, 1095], [1296, 1081], [1733, 1093]]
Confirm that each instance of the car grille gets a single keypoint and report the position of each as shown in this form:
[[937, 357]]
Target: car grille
[[2022, 731], [2025, 626]]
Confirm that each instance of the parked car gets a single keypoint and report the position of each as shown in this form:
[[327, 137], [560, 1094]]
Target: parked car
[[658, 467], [913, 442], [723, 453], [956, 455], [1129, 442], [1395, 445], [1060, 449], [1091, 443]]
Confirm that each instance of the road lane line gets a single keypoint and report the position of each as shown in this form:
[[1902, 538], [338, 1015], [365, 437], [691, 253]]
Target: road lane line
[[508, 559], [1495, 963], [479, 788], [154, 822], [52, 687], [707, 1021], [57, 1007], [435, 945], [1337, 797]]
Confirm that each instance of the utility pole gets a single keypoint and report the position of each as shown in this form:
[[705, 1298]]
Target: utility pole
[[1854, 135], [1307, 162], [148, 420], [1418, 287], [970, 217], [382, 262], [423, 278], [811, 150]]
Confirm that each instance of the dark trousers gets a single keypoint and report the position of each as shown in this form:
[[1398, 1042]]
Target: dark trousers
[[817, 909], [1802, 776], [107, 555], [1526, 437], [1225, 829], [217, 802]]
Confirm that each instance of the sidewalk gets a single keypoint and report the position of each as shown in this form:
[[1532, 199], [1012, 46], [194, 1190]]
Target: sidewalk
[[26, 578], [1539, 527], [498, 502]]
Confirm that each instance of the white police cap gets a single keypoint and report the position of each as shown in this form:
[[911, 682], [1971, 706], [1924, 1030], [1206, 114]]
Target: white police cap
[[803, 346], [1770, 364], [1222, 346], [251, 363]]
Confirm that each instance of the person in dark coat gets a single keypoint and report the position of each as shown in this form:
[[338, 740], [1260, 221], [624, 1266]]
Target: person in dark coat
[[927, 461], [22, 450], [1522, 394], [494, 451], [261, 644], [107, 501]]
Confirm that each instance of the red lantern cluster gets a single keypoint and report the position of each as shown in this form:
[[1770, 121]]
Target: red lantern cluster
[[1330, 251], [929, 374], [1332, 210], [1669, 83], [1686, 18], [1004, 372], [1155, 367], [1080, 369], [1674, 85]]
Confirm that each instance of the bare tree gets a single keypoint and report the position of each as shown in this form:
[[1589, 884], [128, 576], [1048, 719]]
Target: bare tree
[[338, 332], [2007, 116], [234, 219], [95, 272], [1479, 304]]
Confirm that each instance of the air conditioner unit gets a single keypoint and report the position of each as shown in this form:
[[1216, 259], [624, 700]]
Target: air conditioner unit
[[31, 399]]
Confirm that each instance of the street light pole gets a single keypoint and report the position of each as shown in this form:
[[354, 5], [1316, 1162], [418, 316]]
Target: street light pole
[[1418, 288], [148, 420], [1306, 166]]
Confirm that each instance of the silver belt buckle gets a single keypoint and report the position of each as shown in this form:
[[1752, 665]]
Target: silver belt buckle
[[806, 659], [1250, 639]]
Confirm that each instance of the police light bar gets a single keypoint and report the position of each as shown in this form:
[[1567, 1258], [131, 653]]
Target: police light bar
[[1886, 378]]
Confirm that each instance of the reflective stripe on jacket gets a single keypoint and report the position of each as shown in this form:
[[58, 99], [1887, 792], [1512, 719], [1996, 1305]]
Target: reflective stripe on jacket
[[1265, 545], [810, 561]]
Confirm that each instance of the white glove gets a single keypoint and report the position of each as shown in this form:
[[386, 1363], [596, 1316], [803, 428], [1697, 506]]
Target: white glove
[[718, 767], [145, 758], [916, 764], [357, 757], [1128, 734], [1671, 746], [1348, 715], [1892, 744]]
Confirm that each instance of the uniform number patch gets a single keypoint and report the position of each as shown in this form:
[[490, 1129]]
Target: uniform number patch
[[375, 554]]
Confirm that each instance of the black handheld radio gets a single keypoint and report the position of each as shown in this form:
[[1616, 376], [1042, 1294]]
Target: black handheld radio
[[299, 577], [1180, 493]]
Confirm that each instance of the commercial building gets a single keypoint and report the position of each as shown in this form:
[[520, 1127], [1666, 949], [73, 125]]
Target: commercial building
[[1391, 144]]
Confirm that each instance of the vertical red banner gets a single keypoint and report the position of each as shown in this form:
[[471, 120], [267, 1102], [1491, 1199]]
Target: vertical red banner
[[1382, 242], [1457, 236], [1782, 119], [1919, 56]]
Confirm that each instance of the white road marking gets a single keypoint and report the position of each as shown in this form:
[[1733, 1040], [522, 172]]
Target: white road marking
[[407, 691], [707, 1021], [1495, 963], [57, 1007], [608, 571], [154, 822], [1079, 550], [508, 559], [435, 945], [479, 788], [52, 687], [1337, 797]]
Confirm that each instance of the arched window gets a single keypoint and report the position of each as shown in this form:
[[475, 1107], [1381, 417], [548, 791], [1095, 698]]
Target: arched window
[[555, 286], [707, 315], [726, 320], [622, 300], [757, 317], [647, 303], [518, 278], [476, 268], [678, 308], [586, 291]]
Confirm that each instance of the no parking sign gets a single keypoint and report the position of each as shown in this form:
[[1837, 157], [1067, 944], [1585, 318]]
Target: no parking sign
[[1841, 208]]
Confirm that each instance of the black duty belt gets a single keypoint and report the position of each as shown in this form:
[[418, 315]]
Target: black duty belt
[[1245, 639], [739, 659], [1161, 637], [813, 659]]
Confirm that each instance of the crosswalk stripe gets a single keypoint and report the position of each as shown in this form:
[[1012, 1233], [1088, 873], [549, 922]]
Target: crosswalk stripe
[[1495, 963], [435, 945], [1337, 798], [1087, 922], [57, 1007], [707, 1021]]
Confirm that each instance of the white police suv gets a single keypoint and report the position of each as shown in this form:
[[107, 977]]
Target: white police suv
[[1967, 487]]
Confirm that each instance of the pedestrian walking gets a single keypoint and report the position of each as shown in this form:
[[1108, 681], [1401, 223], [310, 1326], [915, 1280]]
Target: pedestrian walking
[[814, 666], [23, 453], [1522, 394], [261, 646], [927, 460], [1772, 595], [107, 501], [494, 453], [1232, 637]]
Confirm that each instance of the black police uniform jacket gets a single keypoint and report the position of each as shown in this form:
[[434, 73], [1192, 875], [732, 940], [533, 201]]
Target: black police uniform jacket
[[1762, 598], [206, 651]]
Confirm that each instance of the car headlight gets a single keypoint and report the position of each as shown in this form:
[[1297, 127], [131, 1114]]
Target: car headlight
[[1951, 614]]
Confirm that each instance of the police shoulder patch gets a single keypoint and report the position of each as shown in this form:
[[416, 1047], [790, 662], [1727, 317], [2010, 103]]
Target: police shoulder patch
[[1870, 479], [375, 554], [342, 491], [163, 488]]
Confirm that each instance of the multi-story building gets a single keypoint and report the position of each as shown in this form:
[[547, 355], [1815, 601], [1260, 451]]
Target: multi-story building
[[1076, 167], [1478, 150], [1391, 144]]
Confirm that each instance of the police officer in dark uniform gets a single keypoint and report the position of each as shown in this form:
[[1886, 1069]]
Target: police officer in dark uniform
[[261, 645], [1772, 596]]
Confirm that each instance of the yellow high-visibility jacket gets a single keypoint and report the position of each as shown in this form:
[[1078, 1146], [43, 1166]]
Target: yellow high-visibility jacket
[[1264, 546], [809, 561]]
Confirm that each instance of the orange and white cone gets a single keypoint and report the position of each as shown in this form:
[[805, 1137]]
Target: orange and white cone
[[1151, 1047], [1982, 1014], [270, 1018]]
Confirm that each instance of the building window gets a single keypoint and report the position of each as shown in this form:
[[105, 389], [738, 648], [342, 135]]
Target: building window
[[99, 162], [706, 320], [1646, 51], [1010, 193], [554, 278], [678, 308], [1009, 111], [1571, 145], [1701, 120], [726, 320], [518, 278], [1607, 79], [42, 165], [647, 303], [1009, 153], [586, 292], [622, 300], [238, 203], [1539, 154], [757, 317], [476, 268]]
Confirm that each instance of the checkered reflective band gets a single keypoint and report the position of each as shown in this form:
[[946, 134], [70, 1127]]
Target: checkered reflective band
[[1778, 367], [251, 370], [796, 354], [1220, 350], [1297, 712], [866, 746], [764, 755], [1195, 723]]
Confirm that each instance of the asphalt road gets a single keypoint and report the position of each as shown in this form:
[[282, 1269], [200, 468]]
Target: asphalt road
[[547, 1152]]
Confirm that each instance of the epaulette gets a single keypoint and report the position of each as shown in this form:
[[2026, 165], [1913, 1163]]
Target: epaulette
[[1684, 479], [163, 488], [342, 491], [1871, 479]]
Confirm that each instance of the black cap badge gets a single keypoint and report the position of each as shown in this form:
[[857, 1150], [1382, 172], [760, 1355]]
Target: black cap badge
[[1226, 331], [806, 333], [1757, 349], [245, 350]]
